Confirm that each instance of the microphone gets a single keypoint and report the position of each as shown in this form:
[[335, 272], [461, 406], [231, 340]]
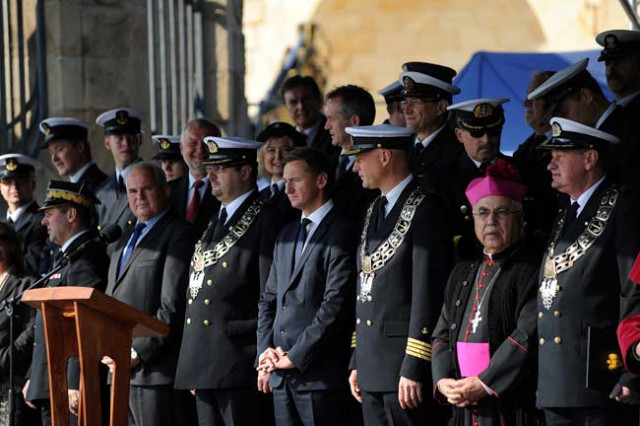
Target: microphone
[[110, 233]]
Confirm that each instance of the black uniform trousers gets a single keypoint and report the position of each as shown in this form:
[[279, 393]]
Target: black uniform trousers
[[237, 407], [152, 405], [383, 408], [612, 414], [311, 408]]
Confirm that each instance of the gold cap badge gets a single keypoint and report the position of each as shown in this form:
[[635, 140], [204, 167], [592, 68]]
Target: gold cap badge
[[556, 130], [165, 144], [213, 147], [610, 41], [122, 117], [46, 129], [408, 83], [12, 164], [483, 110]]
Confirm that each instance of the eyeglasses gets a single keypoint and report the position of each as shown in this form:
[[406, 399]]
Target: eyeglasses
[[215, 168], [489, 132], [500, 212], [415, 102]]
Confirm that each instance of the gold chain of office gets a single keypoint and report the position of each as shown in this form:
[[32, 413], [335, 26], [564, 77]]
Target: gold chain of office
[[554, 265], [385, 252], [202, 259]]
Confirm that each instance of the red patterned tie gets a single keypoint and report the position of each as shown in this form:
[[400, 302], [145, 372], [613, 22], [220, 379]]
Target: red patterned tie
[[192, 210]]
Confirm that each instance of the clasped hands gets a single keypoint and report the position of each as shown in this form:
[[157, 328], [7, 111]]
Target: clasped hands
[[270, 360], [463, 392]]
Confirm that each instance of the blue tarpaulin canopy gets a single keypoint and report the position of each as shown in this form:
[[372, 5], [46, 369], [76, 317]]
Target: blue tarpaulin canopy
[[507, 75]]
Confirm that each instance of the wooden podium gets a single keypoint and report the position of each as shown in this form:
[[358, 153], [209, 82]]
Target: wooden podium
[[84, 322]]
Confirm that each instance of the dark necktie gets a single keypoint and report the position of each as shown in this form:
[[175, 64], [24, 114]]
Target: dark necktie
[[302, 237], [483, 168], [122, 189], [571, 215], [10, 221], [382, 212], [126, 254], [218, 234], [192, 209], [275, 190]]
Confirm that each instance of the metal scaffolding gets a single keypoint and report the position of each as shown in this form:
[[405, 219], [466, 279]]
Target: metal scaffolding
[[176, 74], [23, 94]]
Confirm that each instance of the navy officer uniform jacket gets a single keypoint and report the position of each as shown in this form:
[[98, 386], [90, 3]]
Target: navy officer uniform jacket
[[89, 270], [394, 322], [307, 309], [578, 331], [221, 319]]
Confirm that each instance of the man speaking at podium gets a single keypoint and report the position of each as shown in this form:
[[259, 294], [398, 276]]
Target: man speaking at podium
[[68, 212]]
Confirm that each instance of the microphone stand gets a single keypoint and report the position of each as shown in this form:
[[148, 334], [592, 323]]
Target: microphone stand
[[8, 305]]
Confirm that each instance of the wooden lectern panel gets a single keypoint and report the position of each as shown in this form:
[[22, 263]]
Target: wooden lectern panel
[[84, 322]]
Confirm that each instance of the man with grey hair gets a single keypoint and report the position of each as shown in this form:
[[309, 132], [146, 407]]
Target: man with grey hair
[[191, 194], [149, 271]]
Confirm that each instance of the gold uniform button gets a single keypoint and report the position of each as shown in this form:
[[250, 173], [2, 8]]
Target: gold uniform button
[[556, 314], [209, 282], [540, 314], [369, 323], [190, 301], [225, 264], [358, 321], [207, 302], [557, 340], [369, 298], [206, 322], [129, 223], [99, 228], [188, 321], [541, 341]]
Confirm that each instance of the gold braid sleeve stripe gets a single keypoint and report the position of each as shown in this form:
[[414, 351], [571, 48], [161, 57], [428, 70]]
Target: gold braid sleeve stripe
[[353, 340], [418, 344], [419, 355]]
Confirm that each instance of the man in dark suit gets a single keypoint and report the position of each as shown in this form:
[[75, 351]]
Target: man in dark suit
[[122, 137], [349, 106], [584, 286], [68, 212], [427, 92], [66, 140], [621, 55], [17, 185], [149, 271], [229, 269], [303, 99], [404, 259], [191, 194], [307, 307]]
